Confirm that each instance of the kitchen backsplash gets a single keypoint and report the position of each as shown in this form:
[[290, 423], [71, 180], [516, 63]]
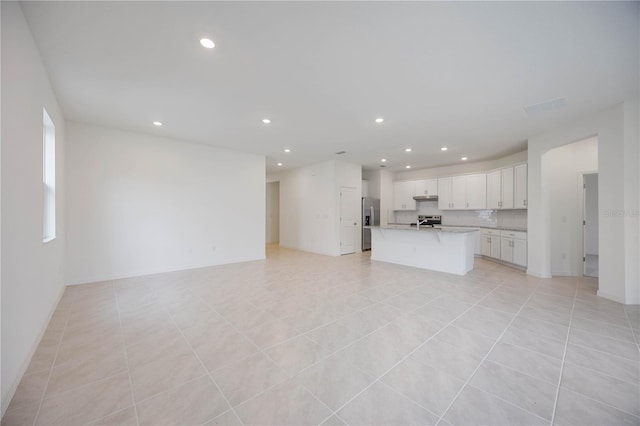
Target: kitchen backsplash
[[488, 218]]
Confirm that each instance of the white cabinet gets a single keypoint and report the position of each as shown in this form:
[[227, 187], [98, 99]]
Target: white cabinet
[[520, 187], [520, 252], [427, 187], [476, 192], [514, 247], [507, 188], [491, 243], [500, 189], [458, 192], [444, 193], [452, 193], [494, 189], [462, 192], [506, 249], [403, 193]]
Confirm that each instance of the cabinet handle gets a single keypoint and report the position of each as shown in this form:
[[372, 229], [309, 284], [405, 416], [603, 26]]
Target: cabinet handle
[[525, 203], [467, 205]]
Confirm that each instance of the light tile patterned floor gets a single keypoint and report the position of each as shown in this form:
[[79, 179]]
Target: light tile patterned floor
[[308, 339]]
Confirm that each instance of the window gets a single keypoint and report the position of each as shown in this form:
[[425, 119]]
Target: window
[[48, 177]]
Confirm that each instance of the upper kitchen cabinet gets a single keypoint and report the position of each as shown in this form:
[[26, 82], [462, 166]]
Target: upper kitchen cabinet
[[507, 188], [476, 191], [494, 189], [444, 193], [520, 186], [500, 189], [403, 193], [426, 187], [462, 192]]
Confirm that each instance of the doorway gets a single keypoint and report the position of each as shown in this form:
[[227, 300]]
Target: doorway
[[590, 225], [272, 224], [348, 219]]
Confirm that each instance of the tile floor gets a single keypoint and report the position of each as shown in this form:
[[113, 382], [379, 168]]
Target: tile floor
[[308, 339]]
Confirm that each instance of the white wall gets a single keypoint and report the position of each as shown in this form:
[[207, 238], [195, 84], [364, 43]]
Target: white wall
[[386, 197], [591, 214], [32, 272], [373, 179], [310, 206], [618, 161], [139, 204], [273, 213], [308, 209], [564, 167]]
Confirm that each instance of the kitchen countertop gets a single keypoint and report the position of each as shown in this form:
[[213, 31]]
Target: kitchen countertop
[[497, 228], [402, 227]]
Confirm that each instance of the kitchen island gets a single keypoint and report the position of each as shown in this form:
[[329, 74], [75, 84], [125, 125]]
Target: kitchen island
[[444, 250]]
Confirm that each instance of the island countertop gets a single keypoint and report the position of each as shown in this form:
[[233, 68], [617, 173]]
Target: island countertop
[[424, 228]]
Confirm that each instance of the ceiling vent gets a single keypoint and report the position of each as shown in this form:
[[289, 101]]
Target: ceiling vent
[[558, 103], [341, 152], [382, 165]]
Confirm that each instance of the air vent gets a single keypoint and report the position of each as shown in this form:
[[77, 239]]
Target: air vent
[[382, 165], [558, 103], [341, 152]]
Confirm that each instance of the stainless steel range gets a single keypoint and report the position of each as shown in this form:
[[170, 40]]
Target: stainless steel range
[[428, 221]]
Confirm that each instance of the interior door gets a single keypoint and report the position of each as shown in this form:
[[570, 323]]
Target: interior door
[[348, 219]]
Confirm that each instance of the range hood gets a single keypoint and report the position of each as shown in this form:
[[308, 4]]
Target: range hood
[[426, 198]]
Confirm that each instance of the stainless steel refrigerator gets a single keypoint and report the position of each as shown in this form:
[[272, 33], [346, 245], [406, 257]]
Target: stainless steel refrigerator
[[370, 217]]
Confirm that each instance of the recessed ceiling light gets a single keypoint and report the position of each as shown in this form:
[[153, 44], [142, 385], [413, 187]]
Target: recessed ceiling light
[[384, 160], [464, 158], [407, 150], [208, 43], [279, 164], [287, 150], [157, 123], [379, 120], [266, 121], [407, 167], [444, 148]]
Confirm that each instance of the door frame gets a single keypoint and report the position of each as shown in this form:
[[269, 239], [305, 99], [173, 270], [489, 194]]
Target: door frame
[[356, 215], [581, 218]]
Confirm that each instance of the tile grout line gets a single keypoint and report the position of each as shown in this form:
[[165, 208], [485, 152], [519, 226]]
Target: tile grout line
[[298, 335], [413, 351], [126, 357], [632, 329], [485, 358], [271, 359], [53, 363], [208, 373], [564, 357]]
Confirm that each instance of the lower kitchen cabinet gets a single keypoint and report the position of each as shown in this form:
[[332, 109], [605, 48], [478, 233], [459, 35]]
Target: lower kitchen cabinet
[[490, 243], [520, 252], [514, 247], [507, 246]]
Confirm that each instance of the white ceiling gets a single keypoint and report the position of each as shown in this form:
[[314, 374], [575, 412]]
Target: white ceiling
[[455, 74]]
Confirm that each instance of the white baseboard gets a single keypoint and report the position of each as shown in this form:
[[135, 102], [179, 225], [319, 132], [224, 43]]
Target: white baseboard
[[613, 297], [119, 276], [12, 390], [537, 274]]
